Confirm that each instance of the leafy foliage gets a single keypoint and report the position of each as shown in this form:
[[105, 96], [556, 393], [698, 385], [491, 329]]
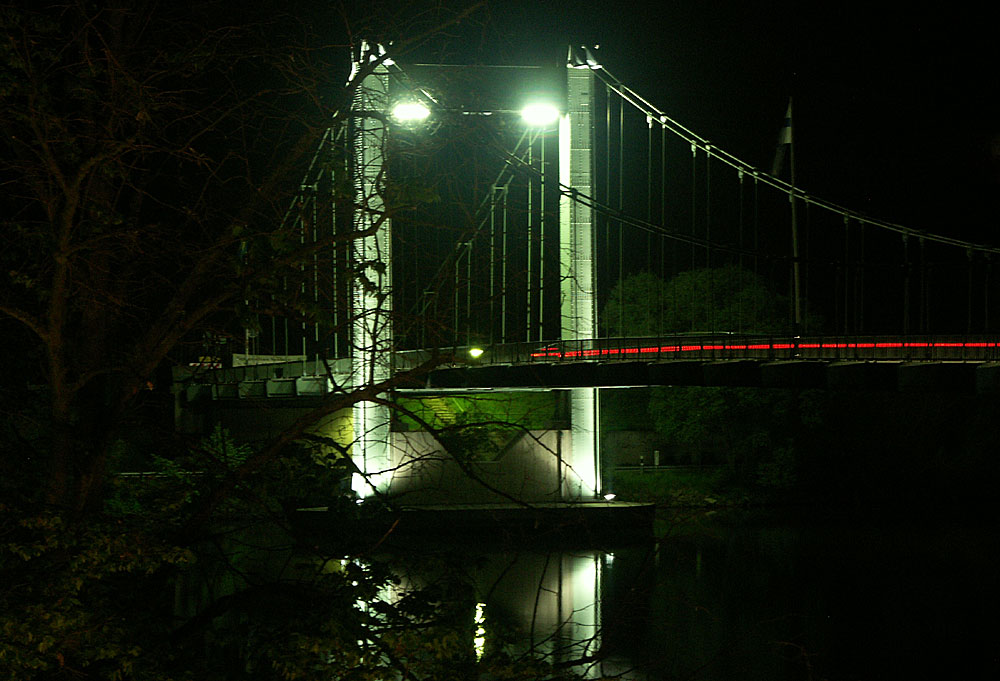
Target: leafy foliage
[[100, 609], [480, 427], [122, 595], [752, 431], [723, 299]]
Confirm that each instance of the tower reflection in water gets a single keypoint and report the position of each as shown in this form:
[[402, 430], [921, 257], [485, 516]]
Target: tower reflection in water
[[561, 607]]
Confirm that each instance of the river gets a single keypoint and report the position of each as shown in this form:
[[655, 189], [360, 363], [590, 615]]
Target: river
[[745, 595]]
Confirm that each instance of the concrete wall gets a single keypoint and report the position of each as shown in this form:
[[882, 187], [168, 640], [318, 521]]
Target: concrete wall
[[532, 469], [528, 471]]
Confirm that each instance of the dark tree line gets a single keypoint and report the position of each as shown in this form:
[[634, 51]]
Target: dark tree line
[[914, 453]]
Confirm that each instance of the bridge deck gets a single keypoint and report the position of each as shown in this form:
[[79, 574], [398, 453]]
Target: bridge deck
[[907, 364]]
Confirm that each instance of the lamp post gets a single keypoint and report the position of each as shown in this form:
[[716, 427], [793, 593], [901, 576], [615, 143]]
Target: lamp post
[[540, 116], [416, 110]]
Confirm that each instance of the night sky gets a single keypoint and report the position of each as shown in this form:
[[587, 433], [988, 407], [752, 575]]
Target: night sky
[[896, 108]]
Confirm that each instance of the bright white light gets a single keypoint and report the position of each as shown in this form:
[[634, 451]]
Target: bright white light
[[476, 353], [540, 114], [609, 496], [408, 112], [479, 642]]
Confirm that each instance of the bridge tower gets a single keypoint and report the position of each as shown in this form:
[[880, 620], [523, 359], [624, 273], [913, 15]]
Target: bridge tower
[[576, 255], [371, 306], [371, 257]]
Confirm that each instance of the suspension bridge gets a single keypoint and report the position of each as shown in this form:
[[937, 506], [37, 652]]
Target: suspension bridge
[[608, 246]]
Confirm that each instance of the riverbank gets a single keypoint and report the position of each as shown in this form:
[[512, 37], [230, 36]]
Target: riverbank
[[679, 486], [694, 489]]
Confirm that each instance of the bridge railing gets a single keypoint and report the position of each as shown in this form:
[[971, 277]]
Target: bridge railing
[[711, 347]]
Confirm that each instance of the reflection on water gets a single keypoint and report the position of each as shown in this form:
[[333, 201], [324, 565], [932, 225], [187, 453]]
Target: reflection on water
[[749, 599], [528, 601], [716, 600]]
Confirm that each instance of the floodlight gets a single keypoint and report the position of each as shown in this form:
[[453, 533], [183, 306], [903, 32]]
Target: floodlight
[[476, 353], [540, 114], [610, 496], [410, 112]]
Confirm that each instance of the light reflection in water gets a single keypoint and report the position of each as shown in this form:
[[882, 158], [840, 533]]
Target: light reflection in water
[[715, 601], [544, 604], [479, 642]]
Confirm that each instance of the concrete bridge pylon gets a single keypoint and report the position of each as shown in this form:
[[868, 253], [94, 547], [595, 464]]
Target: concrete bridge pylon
[[371, 255], [576, 255]]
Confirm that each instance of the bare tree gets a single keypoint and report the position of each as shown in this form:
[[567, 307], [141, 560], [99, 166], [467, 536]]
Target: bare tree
[[150, 154]]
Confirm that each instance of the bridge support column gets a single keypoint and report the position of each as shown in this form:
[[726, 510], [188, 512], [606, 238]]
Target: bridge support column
[[576, 255], [371, 257], [581, 470]]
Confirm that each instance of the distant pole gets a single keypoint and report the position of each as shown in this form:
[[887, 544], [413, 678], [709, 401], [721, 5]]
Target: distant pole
[[541, 247], [531, 166], [493, 260], [796, 270], [503, 270], [468, 292]]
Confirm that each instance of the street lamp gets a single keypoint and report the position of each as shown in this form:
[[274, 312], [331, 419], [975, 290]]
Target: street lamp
[[409, 111], [534, 114], [540, 114]]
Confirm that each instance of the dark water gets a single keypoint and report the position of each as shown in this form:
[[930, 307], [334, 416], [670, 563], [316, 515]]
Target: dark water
[[794, 598], [777, 597], [781, 597]]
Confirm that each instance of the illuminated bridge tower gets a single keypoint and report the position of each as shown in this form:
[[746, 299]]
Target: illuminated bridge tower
[[371, 307], [576, 254], [371, 258]]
